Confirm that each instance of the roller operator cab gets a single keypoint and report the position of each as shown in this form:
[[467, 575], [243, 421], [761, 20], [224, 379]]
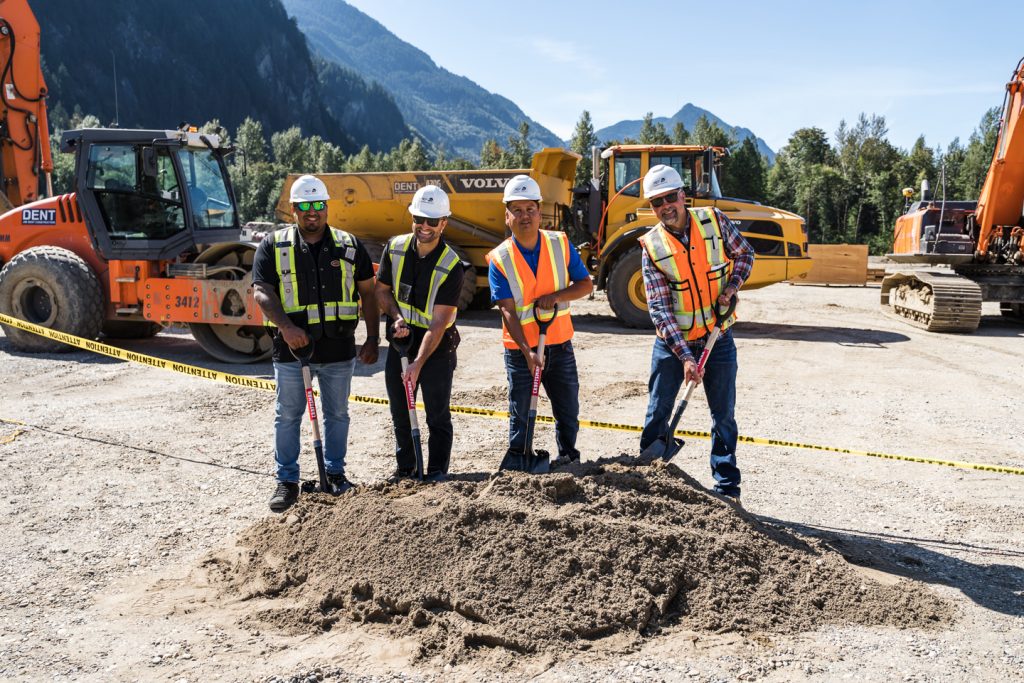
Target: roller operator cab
[[613, 215], [149, 237]]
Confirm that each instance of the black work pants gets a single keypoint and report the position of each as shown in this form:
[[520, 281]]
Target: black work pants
[[435, 385]]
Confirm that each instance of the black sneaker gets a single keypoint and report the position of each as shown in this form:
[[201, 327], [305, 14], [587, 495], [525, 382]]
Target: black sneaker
[[435, 477], [339, 483], [285, 495]]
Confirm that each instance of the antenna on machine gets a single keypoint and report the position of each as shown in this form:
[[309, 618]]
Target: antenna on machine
[[117, 115]]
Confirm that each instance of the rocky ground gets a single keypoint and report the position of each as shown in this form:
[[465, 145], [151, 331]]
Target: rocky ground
[[139, 547]]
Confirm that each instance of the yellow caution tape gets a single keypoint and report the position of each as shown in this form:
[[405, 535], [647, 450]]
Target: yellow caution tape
[[17, 432], [269, 385]]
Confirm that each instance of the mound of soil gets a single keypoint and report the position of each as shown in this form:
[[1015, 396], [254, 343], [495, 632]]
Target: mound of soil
[[549, 564]]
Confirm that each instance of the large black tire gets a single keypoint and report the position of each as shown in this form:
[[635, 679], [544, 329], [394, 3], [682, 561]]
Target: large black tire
[[626, 291], [130, 329], [54, 288], [374, 249]]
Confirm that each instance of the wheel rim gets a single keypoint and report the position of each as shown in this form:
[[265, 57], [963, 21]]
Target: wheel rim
[[637, 293], [33, 301]]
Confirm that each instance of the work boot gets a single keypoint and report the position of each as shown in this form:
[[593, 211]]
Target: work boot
[[402, 473], [338, 483], [285, 495], [435, 476], [565, 460]]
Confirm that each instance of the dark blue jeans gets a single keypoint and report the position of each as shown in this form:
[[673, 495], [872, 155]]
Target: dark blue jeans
[[719, 387], [562, 386]]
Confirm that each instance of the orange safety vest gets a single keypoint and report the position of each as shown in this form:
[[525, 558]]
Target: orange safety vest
[[552, 276], [696, 275]]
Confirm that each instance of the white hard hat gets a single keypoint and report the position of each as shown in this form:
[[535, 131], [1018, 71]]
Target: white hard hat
[[308, 188], [430, 201], [522, 187], [661, 179]]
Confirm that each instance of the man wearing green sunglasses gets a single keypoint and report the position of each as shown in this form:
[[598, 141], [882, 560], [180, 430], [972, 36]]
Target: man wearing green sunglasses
[[309, 280]]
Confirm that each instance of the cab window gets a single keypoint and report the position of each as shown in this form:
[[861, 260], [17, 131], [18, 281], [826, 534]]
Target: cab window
[[135, 205], [207, 189], [627, 170], [683, 164]]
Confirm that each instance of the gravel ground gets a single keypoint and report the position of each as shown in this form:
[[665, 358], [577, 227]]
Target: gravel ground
[[126, 479]]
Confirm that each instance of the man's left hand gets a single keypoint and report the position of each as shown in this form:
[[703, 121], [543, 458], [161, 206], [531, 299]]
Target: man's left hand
[[412, 373], [546, 302], [726, 296], [368, 351]]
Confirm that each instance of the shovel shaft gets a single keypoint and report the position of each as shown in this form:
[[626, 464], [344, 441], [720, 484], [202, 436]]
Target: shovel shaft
[[318, 448], [414, 422]]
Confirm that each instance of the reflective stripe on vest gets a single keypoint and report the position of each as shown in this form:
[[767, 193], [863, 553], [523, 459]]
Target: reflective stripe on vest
[[552, 275], [399, 249], [705, 260], [285, 244]]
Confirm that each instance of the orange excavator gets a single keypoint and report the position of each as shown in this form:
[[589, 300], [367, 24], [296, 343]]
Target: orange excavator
[[981, 242], [148, 238]]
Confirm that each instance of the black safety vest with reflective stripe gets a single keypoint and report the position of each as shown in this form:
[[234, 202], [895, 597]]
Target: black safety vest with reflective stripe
[[337, 299], [398, 250]]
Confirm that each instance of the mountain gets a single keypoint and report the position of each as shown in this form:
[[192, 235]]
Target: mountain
[[196, 60], [688, 115], [446, 109]]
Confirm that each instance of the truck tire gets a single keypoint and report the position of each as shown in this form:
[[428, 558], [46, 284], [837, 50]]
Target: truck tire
[[54, 288], [130, 329], [626, 291], [374, 249]]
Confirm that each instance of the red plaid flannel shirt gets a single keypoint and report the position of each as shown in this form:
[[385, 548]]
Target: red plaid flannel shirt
[[659, 294]]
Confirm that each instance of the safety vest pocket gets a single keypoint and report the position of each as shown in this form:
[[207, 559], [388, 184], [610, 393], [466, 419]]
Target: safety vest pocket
[[684, 295], [717, 278]]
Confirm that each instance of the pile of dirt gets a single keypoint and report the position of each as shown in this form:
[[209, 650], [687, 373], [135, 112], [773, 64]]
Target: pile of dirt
[[550, 563], [492, 397]]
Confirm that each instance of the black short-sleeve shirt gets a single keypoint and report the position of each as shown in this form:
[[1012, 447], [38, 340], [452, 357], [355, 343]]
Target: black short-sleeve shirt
[[416, 273], [342, 346]]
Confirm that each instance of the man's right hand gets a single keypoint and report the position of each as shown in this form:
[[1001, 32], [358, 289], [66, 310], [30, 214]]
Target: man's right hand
[[400, 329], [295, 337], [691, 373], [533, 361]]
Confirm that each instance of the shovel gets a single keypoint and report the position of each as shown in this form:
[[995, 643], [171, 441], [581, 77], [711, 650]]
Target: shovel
[[527, 460], [668, 444], [403, 345], [303, 355]]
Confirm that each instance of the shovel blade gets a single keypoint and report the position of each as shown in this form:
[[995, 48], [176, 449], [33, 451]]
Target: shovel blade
[[661, 449], [538, 462]]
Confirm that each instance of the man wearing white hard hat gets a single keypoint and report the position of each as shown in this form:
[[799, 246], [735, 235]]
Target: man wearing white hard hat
[[537, 269], [308, 279], [418, 287], [693, 260]]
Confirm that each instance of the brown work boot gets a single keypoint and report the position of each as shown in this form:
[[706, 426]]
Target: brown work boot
[[285, 495]]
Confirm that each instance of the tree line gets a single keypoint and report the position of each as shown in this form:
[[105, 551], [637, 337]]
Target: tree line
[[849, 190]]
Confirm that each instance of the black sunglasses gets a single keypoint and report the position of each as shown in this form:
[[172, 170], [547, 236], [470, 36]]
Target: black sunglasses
[[670, 198], [432, 222], [316, 206]]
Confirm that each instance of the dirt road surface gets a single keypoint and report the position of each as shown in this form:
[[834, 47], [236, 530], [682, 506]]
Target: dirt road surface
[[128, 486]]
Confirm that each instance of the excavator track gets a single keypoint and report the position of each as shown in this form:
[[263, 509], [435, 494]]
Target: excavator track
[[937, 302]]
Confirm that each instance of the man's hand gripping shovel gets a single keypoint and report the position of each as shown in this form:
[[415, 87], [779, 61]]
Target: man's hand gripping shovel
[[303, 355], [528, 460], [403, 345], [668, 444]]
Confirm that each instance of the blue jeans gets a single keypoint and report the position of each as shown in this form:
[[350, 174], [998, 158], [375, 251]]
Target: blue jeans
[[562, 386], [335, 383], [719, 387]]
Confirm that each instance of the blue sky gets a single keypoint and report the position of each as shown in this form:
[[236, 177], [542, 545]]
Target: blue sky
[[928, 67]]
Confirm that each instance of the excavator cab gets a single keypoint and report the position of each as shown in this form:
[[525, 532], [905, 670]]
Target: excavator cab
[[150, 195]]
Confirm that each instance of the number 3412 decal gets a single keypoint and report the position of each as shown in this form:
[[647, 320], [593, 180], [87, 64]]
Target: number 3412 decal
[[186, 301]]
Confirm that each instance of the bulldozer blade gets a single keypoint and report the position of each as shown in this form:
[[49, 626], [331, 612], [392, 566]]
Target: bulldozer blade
[[660, 449]]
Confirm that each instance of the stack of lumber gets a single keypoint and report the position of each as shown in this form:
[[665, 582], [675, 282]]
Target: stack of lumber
[[836, 264], [875, 275]]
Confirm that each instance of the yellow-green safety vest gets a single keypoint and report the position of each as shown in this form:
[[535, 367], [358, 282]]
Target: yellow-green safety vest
[[398, 249], [286, 241]]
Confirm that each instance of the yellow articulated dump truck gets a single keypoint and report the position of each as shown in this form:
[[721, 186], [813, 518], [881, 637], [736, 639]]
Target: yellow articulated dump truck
[[604, 217]]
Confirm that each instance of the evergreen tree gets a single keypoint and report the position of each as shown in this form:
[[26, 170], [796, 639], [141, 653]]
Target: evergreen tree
[[653, 133], [583, 138], [680, 136], [747, 173]]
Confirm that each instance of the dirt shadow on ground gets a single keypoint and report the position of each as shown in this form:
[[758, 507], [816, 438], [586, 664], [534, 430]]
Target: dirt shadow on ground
[[998, 587], [844, 336]]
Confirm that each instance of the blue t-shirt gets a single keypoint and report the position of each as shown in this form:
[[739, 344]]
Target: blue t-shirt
[[499, 283]]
